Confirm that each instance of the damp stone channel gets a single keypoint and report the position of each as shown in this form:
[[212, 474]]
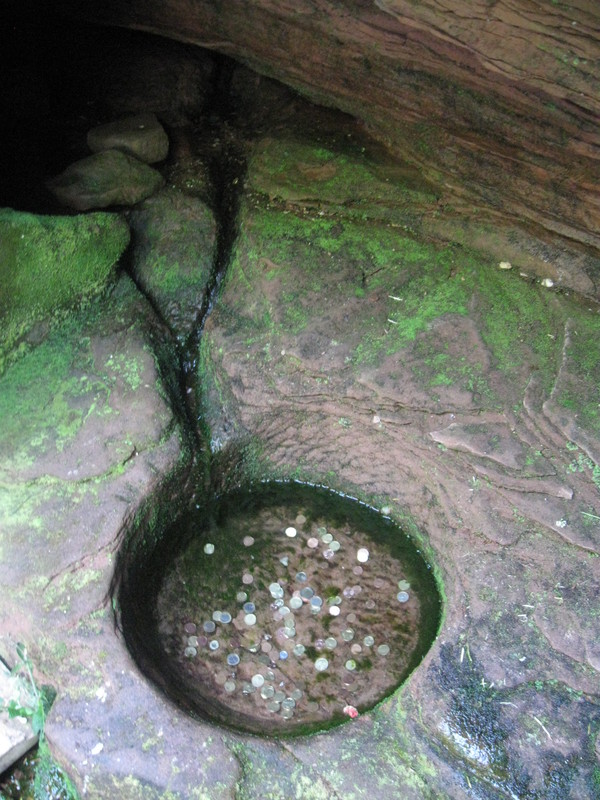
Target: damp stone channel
[[280, 609]]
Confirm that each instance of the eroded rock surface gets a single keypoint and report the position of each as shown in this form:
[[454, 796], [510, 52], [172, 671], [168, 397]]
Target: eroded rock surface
[[141, 136]]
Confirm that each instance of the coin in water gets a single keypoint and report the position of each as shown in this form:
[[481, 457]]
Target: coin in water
[[214, 644], [209, 627], [368, 641], [225, 617], [299, 650], [289, 622], [357, 570], [250, 619], [233, 659], [357, 589], [248, 541], [189, 627], [327, 538], [276, 590], [301, 577], [348, 635], [229, 686], [277, 603], [220, 678], [258, 680], [296, 694], [209, 548], [295, 603], [289, 702], [321, 664], [355, 649], [335, 600], [291, 532], [402, 597], [190, 652], [334, 611], [284, 611], [328, 554], [383, 649], [404, 585], [284, 560], [362, 555], [351, 618], [249, 608], [216, 616], [335, 546], [247, 688], [283, 654], [273, 706], [202, 641], [241, 597], [348, 591], [287, 713], [266, 647], [330, 643], [321, 531], [316, 601], [247, 579], [378, 583], [370, 604], [192, 641], [269, 675], [306, 593], [279, 696], [267, 692], [312, 543], [350, 665]]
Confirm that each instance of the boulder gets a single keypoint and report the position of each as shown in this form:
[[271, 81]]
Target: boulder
[[109, 178], [141, 136]]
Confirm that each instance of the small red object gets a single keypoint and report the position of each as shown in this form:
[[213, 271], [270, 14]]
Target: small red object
[[351, 712]]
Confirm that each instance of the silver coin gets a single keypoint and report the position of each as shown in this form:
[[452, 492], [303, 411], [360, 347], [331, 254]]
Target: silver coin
[[295, 603], [355, 649], [276, 590], [290, 532], [348, 635], [209, 548], [328, 554], [330, 643], [267, 692], [249, 608], [301, 577], [273, 706], [370, 604], [233, 659], [321, 664], [300, 519], [189, 627], [229, 686], [216, 615], [378, 583], [269, 675], [335, 546], [258, 680], [247, 688], [296, 694], [402, 597], [287, 713], [316, 601], [250, 619], [327, 538], [241, 597], [190, 652], [368, 641], [383, 649], [299, 650], [404, 585], [334, 611], [214, 644], [350, 665], [247, 579], [335, 600], [248, 541], [279, 696], [284, 611], [362, 555], [225, 617], [306, 593], [312, 543], [192, 641], [288, 703]]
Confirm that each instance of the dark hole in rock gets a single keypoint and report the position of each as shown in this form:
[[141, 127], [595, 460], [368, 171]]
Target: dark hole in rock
[[280, 609]]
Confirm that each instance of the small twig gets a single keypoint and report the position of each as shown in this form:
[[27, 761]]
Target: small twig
[[593, 516], [543, 727]]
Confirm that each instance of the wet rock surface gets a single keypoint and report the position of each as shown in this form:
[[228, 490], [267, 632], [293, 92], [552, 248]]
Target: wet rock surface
[[364, 340], [141, 136]]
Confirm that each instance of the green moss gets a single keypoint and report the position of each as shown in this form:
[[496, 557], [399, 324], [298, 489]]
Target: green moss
[[50, 263]]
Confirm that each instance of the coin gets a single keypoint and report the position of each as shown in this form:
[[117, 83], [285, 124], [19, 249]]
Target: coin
[[273, 706], [355, 649], [249, 608], [209, 548], [241, 596], [283, 654], [247, 578], [190, 652], [250, 619], [267, 692], [295, 603], [288, 703], [299, 650], [209, 627], [403, 585], [312, 543], [276, 590], [291, 532], [402, 597], [330, 643], [335, 546], [229, 686], [296, 694], [300, 519], [214, 644], [383, 649], [189, 627], [301, 577], [350, 665], [362, 555], [192, 641], [258, 680], [321, 664], [225, 617], [233, 659], [248, 541], [348, 635], [368, 641], [306, 593], [334, 611]]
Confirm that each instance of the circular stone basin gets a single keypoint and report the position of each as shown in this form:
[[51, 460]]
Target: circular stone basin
[[280, 610]]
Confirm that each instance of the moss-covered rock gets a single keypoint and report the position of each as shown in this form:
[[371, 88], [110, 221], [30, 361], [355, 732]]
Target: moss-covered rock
[[49, 263]]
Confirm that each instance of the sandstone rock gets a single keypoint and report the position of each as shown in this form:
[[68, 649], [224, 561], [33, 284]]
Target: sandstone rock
[[141, 136], [110, 178], [174, 239], [49, 263]]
